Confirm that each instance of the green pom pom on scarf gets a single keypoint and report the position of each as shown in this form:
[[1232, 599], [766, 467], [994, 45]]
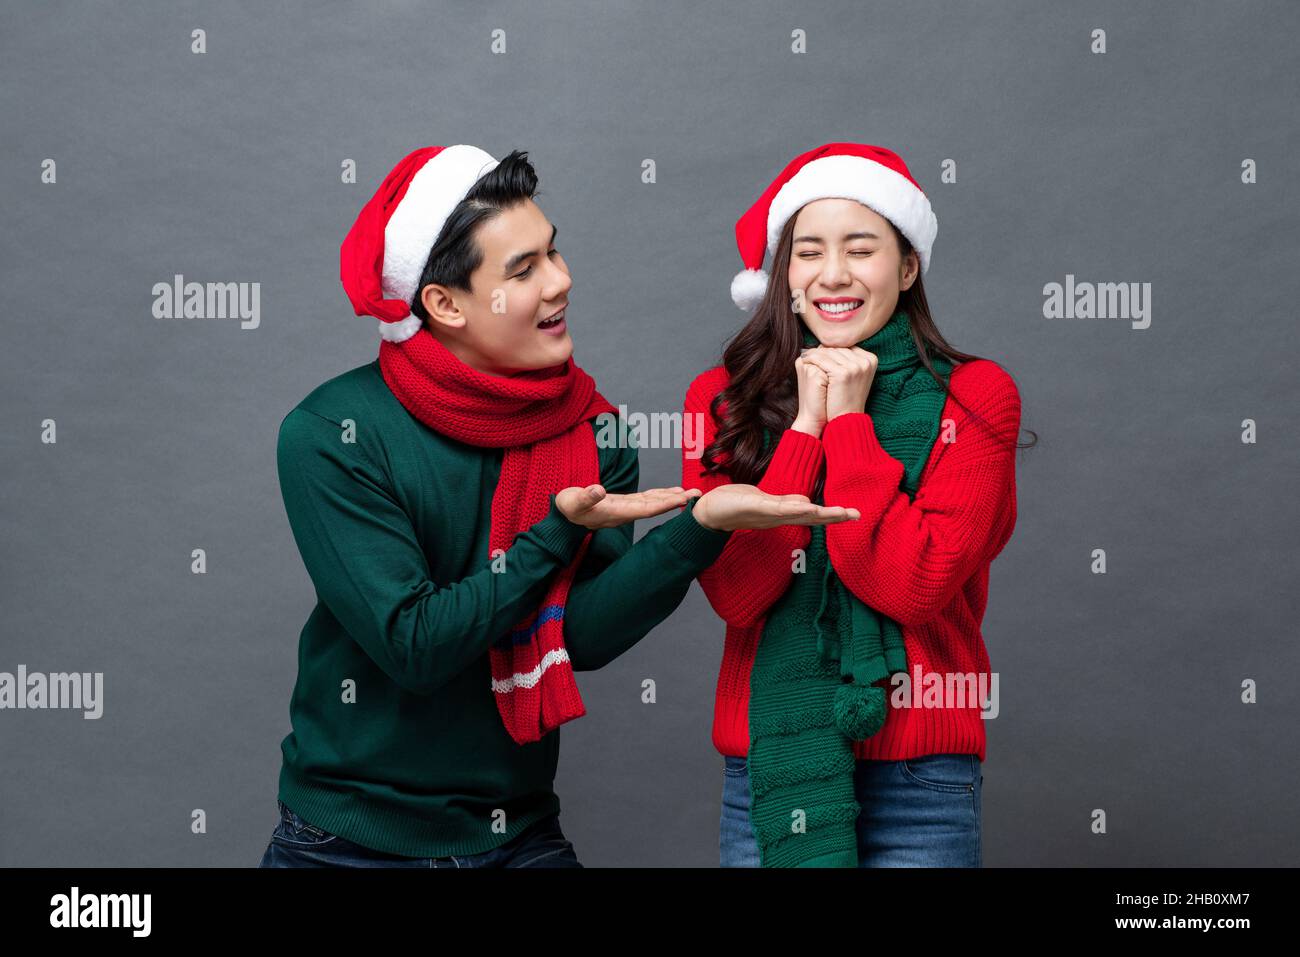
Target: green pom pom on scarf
[[859, 711]]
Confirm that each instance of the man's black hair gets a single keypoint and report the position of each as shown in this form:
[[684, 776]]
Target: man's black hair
[[456, 253]]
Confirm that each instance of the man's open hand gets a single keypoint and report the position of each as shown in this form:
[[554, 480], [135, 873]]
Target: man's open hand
[[595, 508]]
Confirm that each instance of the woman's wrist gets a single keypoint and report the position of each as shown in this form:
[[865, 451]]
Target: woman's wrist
[[807, 428]]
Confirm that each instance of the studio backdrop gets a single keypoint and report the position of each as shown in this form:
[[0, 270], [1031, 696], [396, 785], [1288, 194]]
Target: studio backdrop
[[1115, 187]]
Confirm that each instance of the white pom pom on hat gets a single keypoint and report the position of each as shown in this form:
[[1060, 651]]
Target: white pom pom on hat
[[748, 288], [874, 176], [383, 255]]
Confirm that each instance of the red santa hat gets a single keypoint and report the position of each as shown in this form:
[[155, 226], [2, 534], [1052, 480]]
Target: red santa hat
[[384, 252], [873, 175]]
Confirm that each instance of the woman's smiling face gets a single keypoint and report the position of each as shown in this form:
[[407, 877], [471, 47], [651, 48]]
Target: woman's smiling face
[[846, 270]]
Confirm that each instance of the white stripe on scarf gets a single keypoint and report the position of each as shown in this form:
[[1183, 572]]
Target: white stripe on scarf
[[553, 657]]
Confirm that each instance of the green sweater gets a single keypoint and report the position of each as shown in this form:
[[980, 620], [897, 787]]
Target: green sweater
[[397, 743]]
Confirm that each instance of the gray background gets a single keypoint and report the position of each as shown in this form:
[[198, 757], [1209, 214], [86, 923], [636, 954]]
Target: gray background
[[1118, 692]]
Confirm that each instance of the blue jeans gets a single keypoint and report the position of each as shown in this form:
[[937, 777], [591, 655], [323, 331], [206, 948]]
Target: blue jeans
[[921, 812], [295, 843]]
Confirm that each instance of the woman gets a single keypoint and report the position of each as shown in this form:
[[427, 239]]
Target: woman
[[841, 388]]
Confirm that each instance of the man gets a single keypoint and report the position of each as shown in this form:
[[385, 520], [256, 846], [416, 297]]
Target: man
[[469, 539]]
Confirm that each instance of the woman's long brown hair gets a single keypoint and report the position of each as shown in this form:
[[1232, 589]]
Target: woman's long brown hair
[[759, 360]]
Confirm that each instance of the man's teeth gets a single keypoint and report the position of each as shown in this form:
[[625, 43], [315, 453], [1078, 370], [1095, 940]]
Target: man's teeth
[[839, 306]]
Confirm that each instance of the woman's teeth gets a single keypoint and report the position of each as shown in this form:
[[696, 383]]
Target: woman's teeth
[[836, 307], [550, 323]]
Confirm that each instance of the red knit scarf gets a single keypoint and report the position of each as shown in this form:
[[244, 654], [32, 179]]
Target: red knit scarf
[[539, 418]]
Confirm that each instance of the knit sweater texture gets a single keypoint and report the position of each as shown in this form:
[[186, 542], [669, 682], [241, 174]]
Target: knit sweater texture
[[396, 742], [923, 562]]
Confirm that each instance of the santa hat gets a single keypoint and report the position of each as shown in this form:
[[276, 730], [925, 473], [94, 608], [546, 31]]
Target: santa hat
[[384, 253], [873, 175]]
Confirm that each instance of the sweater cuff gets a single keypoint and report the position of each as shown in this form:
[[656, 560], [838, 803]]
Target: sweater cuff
[[850, 440], [795, 464], [700, 547], [560, 536]]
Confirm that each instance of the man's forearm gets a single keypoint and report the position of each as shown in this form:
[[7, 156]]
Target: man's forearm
[[610, 612]]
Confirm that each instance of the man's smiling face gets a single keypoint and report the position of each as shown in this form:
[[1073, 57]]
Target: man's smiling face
[[512, 319]]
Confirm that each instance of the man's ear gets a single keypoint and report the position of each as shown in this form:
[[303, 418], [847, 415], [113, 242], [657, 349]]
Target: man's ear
[[440, 303]]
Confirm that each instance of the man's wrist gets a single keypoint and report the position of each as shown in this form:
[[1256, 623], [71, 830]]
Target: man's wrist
[[558, 532], [694, 540], [700, 513]]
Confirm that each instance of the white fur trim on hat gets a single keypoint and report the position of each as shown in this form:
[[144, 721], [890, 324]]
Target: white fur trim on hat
[[401, 330], [435, 190], [748, 288], [889, 193]]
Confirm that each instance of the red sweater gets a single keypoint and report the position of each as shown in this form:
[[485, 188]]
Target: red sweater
[[923, 562]]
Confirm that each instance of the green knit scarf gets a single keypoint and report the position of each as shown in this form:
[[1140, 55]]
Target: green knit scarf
[[812, 690]]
